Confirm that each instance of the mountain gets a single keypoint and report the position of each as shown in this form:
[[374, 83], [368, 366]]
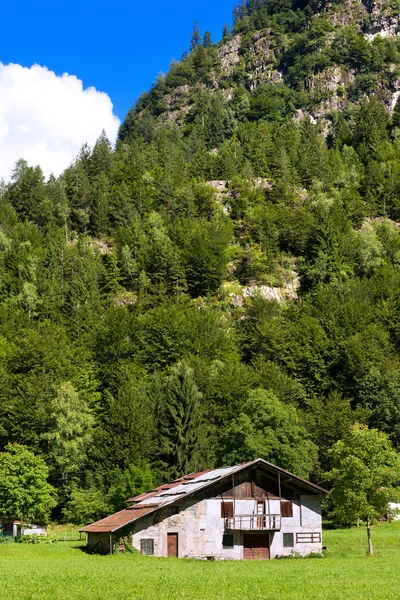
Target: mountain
[[318, 57], [224, 284]]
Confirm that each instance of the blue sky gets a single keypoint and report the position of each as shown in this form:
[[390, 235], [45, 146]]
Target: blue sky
[[118, 47]]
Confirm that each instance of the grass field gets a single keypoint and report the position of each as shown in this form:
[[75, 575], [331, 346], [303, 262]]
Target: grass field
[[64, 571]]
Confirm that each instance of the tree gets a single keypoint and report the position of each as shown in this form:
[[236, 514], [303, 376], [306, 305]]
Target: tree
[[195, 40], [85, 505], [267, 428], [24, 491], [204, 253], [27, 190], [129, 430], [207, 40], [329, 420], [70, 432], [365, 472], [226, 33], [134, 480], [180, 422], [371, 129]]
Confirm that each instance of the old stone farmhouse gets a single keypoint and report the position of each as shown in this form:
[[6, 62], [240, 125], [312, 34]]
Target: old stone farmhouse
[[255, 510]]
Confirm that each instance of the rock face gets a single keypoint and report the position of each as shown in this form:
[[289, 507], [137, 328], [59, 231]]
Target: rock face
[[384, 19], [219, 186], [349, 11], [330, 80], [228, 55], [371, 17], [260, 61], [289, 291], [331, 87]]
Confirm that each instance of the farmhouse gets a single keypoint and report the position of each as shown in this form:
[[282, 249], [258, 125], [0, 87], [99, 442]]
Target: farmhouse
[[255, 510]]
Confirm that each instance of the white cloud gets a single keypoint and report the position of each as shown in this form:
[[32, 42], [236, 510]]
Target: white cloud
[[46, 118]]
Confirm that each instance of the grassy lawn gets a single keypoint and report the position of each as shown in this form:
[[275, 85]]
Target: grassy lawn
[[63, 571]]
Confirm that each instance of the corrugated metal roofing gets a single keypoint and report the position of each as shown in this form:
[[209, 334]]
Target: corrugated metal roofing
[[167, 486], [118, 520], [184, 486]]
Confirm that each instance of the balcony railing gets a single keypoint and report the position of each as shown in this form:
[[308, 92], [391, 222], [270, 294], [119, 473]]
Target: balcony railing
[[253, 523]]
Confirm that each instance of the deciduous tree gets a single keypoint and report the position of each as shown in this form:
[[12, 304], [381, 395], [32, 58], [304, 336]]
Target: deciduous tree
[[365, 473], [24, 491]]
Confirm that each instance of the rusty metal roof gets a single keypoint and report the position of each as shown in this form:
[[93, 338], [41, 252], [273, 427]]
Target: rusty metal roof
[[119, 519], [185, 486]]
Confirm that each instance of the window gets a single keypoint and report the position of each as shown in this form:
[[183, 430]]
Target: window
[[288, 540], [226, 510], [286, 508], [173, 510], [227, 540], [312, 537], [147, 547]]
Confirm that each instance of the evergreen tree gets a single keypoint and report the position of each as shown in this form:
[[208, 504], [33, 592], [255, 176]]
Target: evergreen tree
[[207, 39], [180, 423], [196, 38], [226, 33]]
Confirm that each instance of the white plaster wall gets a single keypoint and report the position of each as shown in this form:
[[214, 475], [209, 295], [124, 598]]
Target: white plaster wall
[[306, 519]]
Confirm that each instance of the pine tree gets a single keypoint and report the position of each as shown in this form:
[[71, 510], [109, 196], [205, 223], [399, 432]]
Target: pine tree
[[180, 431], [207, 40], [196, 39], [226, 33]]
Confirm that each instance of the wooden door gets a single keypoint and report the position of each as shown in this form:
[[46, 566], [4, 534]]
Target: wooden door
[[261, 511], [256, 546], [172, 545]]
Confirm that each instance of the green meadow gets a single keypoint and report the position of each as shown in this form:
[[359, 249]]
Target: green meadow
[[64, 571]]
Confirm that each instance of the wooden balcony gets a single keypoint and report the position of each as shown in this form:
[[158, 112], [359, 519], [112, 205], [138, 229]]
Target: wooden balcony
[[253, 523]]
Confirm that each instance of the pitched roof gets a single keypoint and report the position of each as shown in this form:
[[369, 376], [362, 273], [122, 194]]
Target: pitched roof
[[119, 519], [167, 486], [186, 486]]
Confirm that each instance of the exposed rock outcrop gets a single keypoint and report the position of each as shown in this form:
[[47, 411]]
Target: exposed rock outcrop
[[228, 55]]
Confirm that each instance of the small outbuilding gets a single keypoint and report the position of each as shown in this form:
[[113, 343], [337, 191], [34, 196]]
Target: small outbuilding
[[14, 527], [254, 510]]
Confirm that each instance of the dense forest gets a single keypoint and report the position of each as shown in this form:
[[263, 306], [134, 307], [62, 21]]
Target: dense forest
[[225, 283]]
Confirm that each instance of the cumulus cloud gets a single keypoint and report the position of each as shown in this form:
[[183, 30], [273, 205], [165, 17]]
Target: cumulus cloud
[[45, 118]]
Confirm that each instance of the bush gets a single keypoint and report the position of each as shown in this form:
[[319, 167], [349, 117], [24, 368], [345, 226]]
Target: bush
[[34, 539]]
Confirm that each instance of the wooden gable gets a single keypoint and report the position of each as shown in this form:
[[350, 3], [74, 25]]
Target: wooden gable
[[252, 484]]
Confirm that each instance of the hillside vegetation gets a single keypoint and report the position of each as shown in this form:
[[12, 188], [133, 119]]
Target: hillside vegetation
[[225, 284]]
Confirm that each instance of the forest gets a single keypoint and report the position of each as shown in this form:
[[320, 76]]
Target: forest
[[224, 284]]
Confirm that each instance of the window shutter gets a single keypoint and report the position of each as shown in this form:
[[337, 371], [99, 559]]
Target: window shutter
[[226, 510], [286, 508]]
